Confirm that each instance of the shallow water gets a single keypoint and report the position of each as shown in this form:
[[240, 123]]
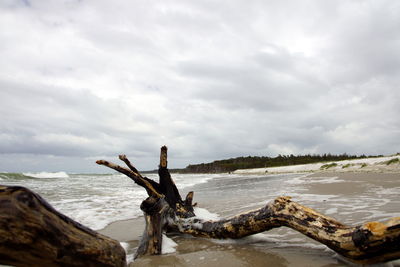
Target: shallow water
[[94, 200], [98, 200], [352, 198]]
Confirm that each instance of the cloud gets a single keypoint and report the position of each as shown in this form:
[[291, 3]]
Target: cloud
[[87, 79]]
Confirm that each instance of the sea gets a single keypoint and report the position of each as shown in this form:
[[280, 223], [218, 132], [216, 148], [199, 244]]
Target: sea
[[94, 200], [97, 200]]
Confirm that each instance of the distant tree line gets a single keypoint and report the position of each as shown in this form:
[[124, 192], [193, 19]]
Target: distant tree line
[[229, 165]]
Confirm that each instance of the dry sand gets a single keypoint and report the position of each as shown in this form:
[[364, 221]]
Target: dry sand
[[378, 164]]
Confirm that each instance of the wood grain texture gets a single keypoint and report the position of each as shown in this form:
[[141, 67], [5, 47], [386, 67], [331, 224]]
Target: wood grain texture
[[33, 233], [367, 243]]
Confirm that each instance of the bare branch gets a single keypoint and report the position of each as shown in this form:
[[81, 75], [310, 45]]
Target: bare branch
[[128, 163], [136, 177], [163, 157]]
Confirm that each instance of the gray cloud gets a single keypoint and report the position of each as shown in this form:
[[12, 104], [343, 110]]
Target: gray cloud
[[82, 80]]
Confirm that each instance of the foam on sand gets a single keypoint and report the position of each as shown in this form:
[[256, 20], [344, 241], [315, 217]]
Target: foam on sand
[[204, 214], [129, 257], [168, 245], [320, 180]]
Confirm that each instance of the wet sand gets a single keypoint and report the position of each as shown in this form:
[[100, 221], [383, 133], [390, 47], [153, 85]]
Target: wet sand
[[353, 182], [202, 252], [266, 249]]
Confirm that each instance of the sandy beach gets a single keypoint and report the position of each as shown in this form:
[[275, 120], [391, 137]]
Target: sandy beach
[[351, 197], [388, 164]]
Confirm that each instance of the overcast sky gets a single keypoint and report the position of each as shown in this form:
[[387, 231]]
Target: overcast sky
[[91, 79]]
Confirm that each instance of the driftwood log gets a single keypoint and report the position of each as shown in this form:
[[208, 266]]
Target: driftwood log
[[32, 233], [164, 210]]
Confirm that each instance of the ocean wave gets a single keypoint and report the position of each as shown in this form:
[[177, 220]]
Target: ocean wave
[[46, 175], [13, 176]]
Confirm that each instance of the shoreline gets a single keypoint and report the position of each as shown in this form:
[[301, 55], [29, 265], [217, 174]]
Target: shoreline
[[267, 248], [378, 165]]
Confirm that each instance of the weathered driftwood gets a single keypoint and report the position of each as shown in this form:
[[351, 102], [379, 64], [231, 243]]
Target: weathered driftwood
[[32, 233], [367, 243], [164, 210]]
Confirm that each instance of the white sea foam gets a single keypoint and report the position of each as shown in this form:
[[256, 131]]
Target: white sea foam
[[331, 211], [204, 214], [385, 191], [252, 239], [124, 245], [98, 211], [114, 197], [187, 180], [272, 241], [261, 238], [314, 180], [45, 175], [129, 256], [168, 245]]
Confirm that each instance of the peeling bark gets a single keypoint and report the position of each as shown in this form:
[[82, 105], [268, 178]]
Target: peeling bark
[[156, 212], [368, 243]]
